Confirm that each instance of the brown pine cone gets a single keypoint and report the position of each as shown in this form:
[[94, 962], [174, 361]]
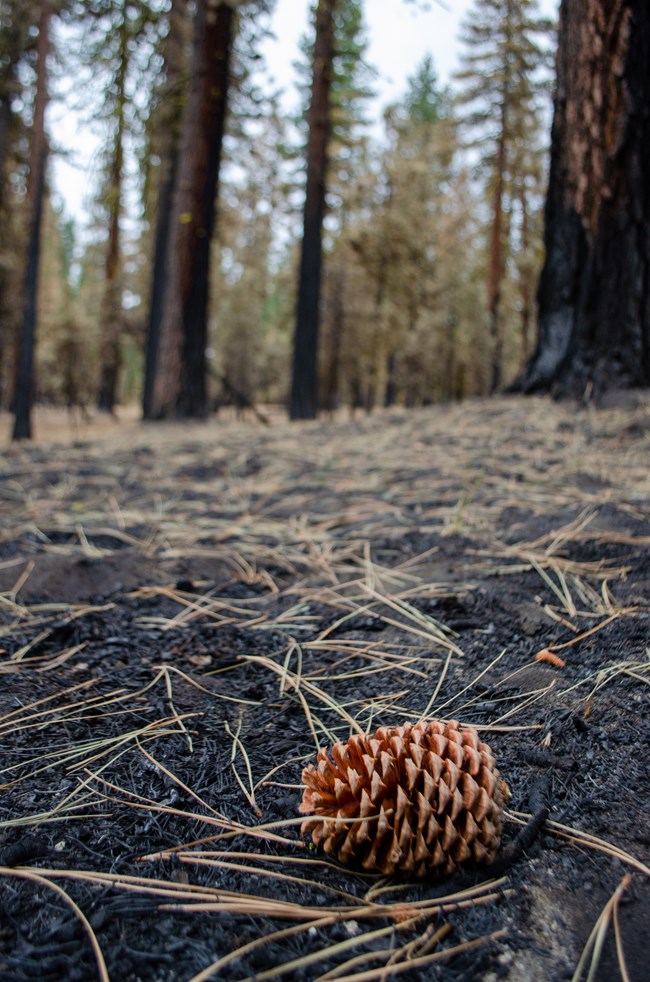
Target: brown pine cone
[[426, 798]]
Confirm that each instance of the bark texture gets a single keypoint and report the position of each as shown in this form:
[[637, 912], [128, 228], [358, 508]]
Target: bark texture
[[304, 380], [170, 126], [594, 294], [497, 264], [24, 378], [179, 387], [111, 312]]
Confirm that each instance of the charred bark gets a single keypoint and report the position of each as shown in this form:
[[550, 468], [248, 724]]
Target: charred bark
[[111, 315], [24, 378], [170, 125], [179, 387], [496, 272], [5, 123], [303, 402], [594, 292], [111, 310]]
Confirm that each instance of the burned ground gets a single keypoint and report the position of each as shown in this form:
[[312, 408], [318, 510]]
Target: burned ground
[[186, 612]]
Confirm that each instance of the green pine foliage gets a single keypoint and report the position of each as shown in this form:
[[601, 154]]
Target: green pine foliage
[[407, 268]]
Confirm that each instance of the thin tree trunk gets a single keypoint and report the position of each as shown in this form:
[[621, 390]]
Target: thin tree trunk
[[24, 379], [179, 387], [175, 67], [111, 312], [5, 122], [331, 380], [111, 316], [594, 294], [304, 381], [495, 278], [525, 277], [5, 331]]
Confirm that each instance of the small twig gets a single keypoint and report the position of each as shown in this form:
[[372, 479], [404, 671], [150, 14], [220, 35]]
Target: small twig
[[513, 852]]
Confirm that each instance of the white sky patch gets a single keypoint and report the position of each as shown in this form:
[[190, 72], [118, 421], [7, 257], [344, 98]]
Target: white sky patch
[[400, 36]]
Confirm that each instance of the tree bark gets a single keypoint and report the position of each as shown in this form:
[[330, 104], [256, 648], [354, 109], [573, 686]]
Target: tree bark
[[179, 387], [496, 269], [526, 280], [111, 311], [594, 293], [170, 123], [24, 378], [5, 122], [304, 381]]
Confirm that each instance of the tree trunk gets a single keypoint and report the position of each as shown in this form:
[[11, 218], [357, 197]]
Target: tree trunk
[[496, 268], [24, 379], [179, 387], [594, 293], [332, 370], [5, 328], [526, 285], [170, 124], [111, 311], [5, 122], [304, 381]]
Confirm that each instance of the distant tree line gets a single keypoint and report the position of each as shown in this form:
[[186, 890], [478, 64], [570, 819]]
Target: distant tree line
[[232, 254]]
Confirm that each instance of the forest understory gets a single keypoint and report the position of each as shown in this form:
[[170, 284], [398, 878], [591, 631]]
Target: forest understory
[[188, 611]]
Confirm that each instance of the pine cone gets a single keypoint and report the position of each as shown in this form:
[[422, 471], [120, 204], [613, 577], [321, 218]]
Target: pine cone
[[426, 797]]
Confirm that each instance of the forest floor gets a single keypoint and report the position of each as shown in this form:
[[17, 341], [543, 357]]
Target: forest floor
[[187, 611]]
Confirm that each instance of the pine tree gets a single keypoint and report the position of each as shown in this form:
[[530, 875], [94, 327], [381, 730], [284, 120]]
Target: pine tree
[[248, 347], [303, 402], [117, 48], [179, 387], [502, 83], [16, 49], [350, 90], [411, 327], [426, 102], [24, 377], [165, 124], [62, 375]]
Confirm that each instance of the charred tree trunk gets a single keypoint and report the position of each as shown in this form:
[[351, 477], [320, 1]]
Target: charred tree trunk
[[179, 387], [24, 378], [15, 22], [496, 268], [304, 380], [111, 311], [5, 123], [594, 293], [170, 125], [5, 329], [111, 315]]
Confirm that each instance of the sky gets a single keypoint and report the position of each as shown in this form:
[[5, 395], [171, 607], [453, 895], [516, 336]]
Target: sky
[[400, 35]]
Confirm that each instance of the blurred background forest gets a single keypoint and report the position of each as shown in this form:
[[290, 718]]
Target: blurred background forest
[[432, 236]]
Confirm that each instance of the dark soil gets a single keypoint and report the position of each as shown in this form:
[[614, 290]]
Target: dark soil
[[184, 611]]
